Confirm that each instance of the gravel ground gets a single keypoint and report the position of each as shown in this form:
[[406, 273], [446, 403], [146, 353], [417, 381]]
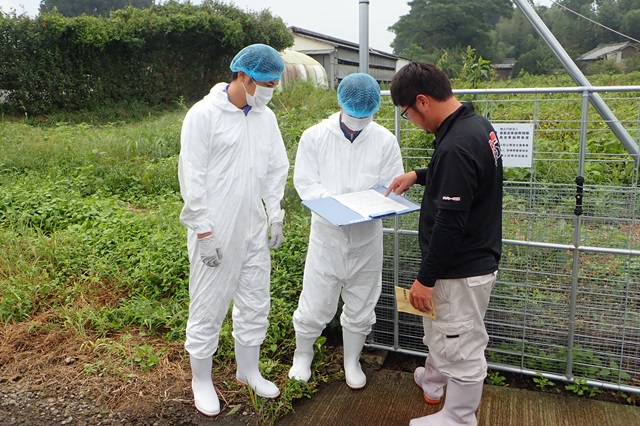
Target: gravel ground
[[54, 377], [21, 404]]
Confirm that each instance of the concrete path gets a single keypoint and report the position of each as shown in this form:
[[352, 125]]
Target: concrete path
[[391, 398]]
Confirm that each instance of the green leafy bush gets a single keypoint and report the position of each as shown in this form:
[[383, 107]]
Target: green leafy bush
[[154, 56]]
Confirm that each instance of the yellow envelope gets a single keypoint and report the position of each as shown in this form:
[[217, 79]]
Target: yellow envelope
[[403, 304]]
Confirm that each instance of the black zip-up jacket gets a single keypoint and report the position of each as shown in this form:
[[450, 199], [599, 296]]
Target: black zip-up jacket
[[460, 229]]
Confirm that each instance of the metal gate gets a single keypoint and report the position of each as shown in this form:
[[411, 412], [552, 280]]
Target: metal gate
[[567, 300]]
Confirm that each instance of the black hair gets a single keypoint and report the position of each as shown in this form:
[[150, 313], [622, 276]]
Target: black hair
[[234, 76], [419, 78]]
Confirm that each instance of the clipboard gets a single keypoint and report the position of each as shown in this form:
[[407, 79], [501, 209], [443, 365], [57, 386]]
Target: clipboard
[[403, 304], [339, 215]]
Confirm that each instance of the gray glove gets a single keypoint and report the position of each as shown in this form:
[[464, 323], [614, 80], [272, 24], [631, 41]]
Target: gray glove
[[210, 251], [276, 239]]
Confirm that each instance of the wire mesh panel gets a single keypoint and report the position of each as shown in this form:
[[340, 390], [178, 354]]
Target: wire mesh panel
[[567, 300], [528, 314]]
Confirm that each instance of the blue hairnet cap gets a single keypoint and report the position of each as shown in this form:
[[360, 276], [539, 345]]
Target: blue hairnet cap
[[260, 62], [359, 95]]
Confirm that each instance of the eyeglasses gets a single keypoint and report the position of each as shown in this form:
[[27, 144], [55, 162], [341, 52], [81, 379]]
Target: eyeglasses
[[404, 113]]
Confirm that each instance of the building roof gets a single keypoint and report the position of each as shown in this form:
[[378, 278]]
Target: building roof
[[506, 64], [603, 50], [337, 41]]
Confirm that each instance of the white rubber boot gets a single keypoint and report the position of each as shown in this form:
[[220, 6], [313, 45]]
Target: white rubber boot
[[460, 406], [204, 394], [352, 344], [247, 373], [302, 358], [431, 381]]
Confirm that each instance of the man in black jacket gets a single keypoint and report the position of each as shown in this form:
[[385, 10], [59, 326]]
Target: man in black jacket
[[460, 234]]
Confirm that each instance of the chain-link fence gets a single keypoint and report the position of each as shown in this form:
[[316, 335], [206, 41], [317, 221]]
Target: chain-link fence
[[567, 301]]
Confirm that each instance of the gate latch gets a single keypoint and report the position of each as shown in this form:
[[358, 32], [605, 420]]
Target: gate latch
[[579, 187]]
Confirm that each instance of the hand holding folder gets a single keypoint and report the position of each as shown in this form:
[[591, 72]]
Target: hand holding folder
[[360, 206]]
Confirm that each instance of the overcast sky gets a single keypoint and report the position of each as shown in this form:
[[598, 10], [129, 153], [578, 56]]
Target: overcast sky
[[336, 18]]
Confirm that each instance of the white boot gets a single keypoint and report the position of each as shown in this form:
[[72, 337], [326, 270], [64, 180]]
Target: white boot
[[431, 381], [204, 394], [460, 406], [302, 358], [247, 358], [352, 344]]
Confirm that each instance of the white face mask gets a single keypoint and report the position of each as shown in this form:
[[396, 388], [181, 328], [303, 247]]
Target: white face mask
[[261, 96], [355, 124]]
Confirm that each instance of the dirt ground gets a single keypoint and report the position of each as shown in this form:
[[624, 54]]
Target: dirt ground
[[44, 380]]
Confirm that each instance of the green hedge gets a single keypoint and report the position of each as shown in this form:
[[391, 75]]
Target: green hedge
[[154, 56]]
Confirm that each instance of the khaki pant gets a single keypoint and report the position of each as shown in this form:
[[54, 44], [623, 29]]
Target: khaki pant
[[458, 338]]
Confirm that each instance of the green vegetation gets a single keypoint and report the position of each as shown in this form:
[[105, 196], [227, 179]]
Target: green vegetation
[[133, 56], [542, 382], [92, 245], [496, 379], [580, 388], [498, 29], [95, 7]]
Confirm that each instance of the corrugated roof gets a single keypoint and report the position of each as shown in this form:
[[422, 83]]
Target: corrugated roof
[[602, 51], [502, 66], [507, 63], [337, 41]]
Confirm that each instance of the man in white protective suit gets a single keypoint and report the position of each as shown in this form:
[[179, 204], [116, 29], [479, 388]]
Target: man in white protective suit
[[344, 153], [232, 167]]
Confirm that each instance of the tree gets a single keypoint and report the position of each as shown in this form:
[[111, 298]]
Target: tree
[[576, 5], [444, 24], [537, 62], [627, 5], [631, 24], [566, 29], [90, 7], [609, 15], [515, 36], [416, 53]]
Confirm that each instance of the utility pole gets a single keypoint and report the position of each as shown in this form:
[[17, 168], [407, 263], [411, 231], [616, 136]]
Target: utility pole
[[364, 36]]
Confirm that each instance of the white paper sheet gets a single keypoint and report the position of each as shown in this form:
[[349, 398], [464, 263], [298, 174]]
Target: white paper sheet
[[369, 203]]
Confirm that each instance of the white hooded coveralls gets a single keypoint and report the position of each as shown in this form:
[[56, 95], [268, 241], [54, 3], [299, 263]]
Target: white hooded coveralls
[[342, 261], [231, 167]]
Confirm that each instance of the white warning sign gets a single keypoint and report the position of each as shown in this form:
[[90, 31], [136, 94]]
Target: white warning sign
[[516, 143]]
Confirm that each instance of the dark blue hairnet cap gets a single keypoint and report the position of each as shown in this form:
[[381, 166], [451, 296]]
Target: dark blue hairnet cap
[[260, 62], [359, 95]]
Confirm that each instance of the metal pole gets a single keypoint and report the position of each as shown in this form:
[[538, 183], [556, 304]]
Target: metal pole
[[333, 67], [396, 280], [364, 36], [573, 297], [578, 77]]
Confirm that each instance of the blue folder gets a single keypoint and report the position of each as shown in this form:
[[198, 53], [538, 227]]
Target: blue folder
[[340, 215]]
